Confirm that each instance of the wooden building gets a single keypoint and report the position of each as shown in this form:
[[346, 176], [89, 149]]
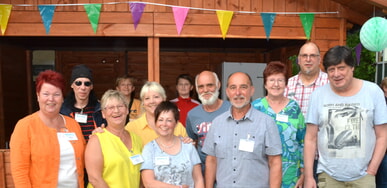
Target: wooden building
[[154, 50]]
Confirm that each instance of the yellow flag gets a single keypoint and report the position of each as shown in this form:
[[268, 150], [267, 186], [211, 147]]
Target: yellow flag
[[5, 11], [224, 18]]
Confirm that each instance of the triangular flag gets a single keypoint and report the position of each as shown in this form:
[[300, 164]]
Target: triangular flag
[[179, 13], [46, 12], [224, 18], [137, 9], [93, 11], [268, 20], [307, 22], [358, 53], [5, 11]]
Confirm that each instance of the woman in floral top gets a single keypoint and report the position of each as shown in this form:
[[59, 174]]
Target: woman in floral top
[[290, 122]]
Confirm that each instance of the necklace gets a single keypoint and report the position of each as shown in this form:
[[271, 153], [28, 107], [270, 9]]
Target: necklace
[[170, 146]]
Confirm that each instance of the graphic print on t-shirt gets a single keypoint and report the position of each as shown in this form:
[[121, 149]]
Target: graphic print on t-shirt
[[344, 130]]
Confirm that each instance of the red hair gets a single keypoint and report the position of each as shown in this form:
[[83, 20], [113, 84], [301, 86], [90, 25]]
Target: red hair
[[51, 77], [275, 67]]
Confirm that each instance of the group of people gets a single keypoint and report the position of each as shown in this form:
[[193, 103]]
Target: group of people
[[314, 129]]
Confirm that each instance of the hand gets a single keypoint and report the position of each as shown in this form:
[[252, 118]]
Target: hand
[[186, 140], [371, 172], [300, 181], [98, 130], [310, 182]]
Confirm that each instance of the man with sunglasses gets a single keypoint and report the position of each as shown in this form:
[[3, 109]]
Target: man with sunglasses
[[81, 103]]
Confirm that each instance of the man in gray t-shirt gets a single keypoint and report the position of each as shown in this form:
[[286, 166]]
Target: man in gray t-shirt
[[346, 118], [199, 119]]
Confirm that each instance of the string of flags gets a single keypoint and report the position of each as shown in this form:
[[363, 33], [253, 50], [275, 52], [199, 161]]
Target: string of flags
[[137, 8]]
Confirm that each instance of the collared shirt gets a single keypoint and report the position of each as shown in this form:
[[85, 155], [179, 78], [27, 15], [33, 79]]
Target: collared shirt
[[237, 168], [299, 92], [141, 128]]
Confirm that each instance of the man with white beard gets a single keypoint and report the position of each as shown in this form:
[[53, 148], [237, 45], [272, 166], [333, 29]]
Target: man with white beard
[[199, 119]]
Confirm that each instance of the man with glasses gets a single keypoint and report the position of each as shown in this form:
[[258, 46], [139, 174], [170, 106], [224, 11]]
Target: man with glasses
[[310, 77], [81, 103]]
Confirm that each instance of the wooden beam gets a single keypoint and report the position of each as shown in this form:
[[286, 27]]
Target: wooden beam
[[379, 3], [352, 16], [154, 59]]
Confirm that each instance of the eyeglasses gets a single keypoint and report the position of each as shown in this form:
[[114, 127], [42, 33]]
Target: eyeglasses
[[79, 83], [279, 81], [111, 108], [311, 56]]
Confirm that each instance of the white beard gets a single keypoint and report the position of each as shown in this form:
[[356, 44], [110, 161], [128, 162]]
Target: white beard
[[211, 100]]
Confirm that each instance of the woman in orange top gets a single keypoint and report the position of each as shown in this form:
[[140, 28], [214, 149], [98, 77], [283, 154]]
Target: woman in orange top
[[46, 147]]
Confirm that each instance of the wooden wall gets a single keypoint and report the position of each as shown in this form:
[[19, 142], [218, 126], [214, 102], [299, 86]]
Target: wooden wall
[[157, 22]]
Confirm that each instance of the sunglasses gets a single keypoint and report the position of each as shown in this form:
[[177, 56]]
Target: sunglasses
[[79, 83]]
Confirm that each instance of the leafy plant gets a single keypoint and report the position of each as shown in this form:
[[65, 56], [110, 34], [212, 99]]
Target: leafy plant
[[295, 66]]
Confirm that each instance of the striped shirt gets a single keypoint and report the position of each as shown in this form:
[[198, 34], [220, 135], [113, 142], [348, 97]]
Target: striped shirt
[[299, 92], [89, 126]]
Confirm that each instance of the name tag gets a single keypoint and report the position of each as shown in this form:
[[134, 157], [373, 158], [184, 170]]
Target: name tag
[[246, 145], [136, 159], [162, 161], [68, 136], [81, 118], [282, 117]]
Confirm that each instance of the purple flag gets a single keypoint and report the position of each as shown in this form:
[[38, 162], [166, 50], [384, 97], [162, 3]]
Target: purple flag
[[358, 53], [137, 9]]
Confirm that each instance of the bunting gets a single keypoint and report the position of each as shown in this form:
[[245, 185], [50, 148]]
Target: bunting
[[268, 20], [5, 11], [137, 9], [93, 11], [224, 18], [358, 49], [307, 22], [46, 12], [179, 13]]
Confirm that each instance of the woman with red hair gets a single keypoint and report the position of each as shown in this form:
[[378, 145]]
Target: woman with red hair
[[47, 147]]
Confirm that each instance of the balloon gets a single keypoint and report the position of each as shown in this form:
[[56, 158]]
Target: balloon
[[373, 34]]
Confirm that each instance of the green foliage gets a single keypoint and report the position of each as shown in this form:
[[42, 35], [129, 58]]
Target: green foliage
[[367, 66], [295, 66]]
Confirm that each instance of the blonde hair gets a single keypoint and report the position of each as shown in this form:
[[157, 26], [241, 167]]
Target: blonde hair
[[384, 83], [112, 94], [152, 86]]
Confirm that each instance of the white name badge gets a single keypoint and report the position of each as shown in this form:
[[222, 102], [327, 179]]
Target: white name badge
[[162, 160], [68, 136], [246, 145], [136, 159], [282, 117], [81, 118]]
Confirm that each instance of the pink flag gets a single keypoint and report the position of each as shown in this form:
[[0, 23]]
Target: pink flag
[[179, 13]]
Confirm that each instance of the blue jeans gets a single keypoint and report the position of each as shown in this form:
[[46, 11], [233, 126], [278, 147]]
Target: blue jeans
[[381, 176]]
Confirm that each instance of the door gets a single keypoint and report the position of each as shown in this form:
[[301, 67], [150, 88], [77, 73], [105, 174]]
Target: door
[[106, 67], [254, 70]]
